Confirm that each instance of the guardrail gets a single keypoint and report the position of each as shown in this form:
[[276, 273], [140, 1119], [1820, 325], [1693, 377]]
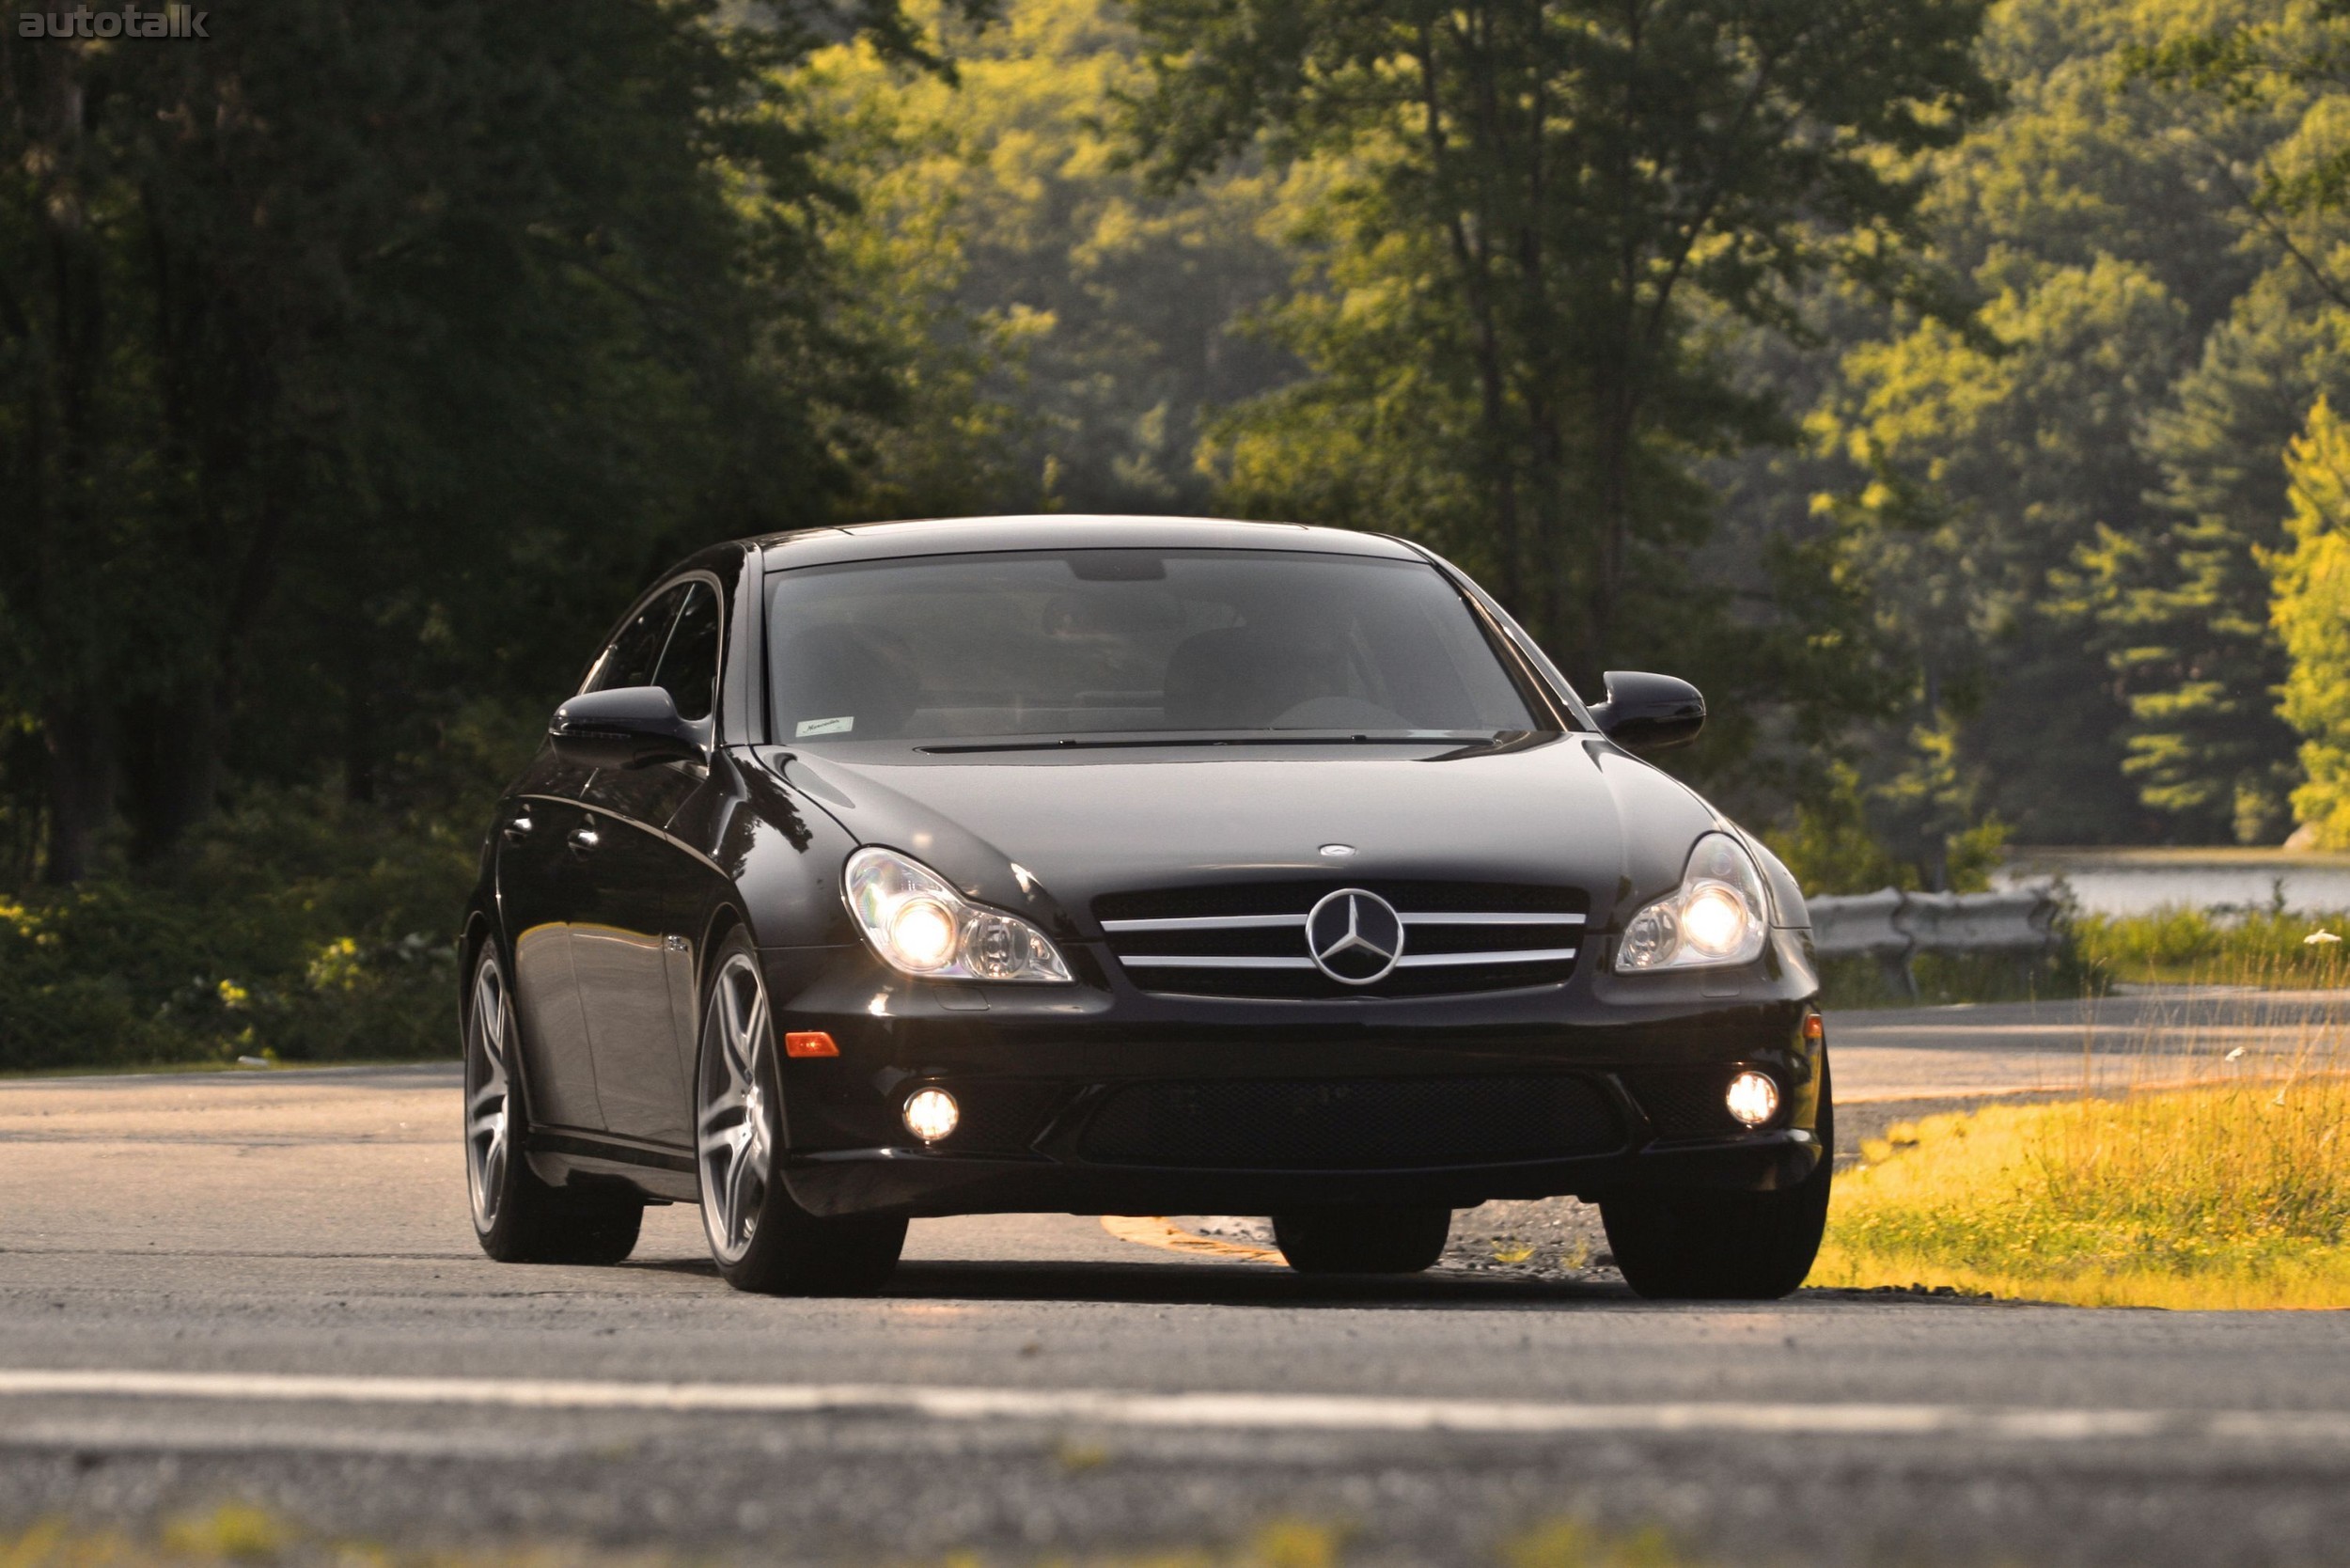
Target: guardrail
[[1894, 927]]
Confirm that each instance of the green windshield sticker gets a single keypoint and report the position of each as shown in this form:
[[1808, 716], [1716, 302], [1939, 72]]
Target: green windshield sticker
[[823, 726]]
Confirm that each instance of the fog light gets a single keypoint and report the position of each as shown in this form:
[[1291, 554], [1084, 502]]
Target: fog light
[[931, 1114], [1753, 1099]]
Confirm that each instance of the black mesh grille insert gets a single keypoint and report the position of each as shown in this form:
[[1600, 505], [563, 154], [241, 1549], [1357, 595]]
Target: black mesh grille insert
[[1686, 1102], [1000, 1116], [1353, 1123]]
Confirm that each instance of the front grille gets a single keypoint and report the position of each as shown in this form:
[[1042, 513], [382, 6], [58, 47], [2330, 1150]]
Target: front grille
[[1351, 1125], [1686, 1102], [1249, 940]]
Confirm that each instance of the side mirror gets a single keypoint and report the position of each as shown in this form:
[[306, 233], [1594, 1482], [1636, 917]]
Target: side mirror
[[628, 727], [1648, 712]]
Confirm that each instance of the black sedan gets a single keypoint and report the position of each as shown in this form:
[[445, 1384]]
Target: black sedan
[[1126, 866]]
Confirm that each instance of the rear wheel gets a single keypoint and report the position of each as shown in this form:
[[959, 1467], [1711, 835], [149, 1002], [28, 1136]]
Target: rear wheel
[[1700, 1246], [760, 1239], [1362, 1240], [517, 1217]]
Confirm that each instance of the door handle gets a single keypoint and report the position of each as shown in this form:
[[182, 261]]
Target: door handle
[[586, 839], [519, 829]]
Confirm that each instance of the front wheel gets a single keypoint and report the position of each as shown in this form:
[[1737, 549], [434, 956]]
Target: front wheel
[[1701, 1246], [517, 1217], [761, 1240], [1362, 1240]]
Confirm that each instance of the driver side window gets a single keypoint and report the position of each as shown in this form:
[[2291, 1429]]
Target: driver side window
[[636, 651], [688, 671]]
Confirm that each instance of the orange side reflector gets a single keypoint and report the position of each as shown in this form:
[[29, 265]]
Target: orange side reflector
[[1815, 1028], [814, 1044]]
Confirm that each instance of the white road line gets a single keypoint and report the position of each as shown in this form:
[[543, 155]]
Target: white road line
[[1307, 1412]]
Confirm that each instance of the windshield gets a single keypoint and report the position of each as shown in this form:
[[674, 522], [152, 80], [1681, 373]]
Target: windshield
[[1102, 643]]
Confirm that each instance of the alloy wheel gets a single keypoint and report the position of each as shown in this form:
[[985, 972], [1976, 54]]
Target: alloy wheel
[[735, 1117], [489, 1090]]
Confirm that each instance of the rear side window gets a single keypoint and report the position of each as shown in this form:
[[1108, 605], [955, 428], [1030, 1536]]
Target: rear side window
[[688, 671], [635, 653]]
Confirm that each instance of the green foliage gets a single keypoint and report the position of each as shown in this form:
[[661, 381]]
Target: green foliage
[[2269, 948], [333, 946], [294, 924], [2185, 603], [1541, 222], [355, 364], [1063, 328], [2060, 509], [1995, 461], [2311, 612]]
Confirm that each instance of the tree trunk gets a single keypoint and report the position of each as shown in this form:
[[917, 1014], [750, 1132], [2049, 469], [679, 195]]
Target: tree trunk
[[173, 772], [81, 785]]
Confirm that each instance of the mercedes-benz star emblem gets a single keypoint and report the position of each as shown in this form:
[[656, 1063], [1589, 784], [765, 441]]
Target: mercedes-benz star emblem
[[1355, 937]]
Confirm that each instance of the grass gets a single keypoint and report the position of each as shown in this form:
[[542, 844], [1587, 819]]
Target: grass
[[238, 1535], [2270, 950], [2219, 1195]]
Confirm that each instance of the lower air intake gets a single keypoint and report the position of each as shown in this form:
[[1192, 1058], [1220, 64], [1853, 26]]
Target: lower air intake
[[1351, 1125]]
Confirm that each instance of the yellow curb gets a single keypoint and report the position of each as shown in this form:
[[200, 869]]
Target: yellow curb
[[1155, 1230]]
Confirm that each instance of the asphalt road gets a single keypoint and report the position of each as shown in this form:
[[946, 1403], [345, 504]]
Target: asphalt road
[[262, 1287]]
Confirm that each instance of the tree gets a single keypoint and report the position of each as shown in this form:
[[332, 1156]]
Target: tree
[[1064, 326], [1994, 458], [352, 360], [2313, 617], [1545, 213], [2182, 605]]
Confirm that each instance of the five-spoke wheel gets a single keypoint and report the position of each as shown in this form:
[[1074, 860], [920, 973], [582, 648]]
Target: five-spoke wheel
[[759, 1238], [734, 1127], [517, 1217]]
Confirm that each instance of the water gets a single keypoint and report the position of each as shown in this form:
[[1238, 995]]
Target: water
[[2138, 883]]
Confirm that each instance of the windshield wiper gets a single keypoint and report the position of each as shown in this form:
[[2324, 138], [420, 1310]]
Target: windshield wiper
[[1137, 741]]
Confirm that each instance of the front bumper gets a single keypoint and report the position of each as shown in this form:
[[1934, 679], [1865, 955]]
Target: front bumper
[[1098, 1098]]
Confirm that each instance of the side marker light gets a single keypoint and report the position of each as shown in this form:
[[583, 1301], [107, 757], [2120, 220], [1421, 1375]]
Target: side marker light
[[1815, 1028], [813, 1043]]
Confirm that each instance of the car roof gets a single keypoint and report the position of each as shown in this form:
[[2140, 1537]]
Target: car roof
[[941, 535]]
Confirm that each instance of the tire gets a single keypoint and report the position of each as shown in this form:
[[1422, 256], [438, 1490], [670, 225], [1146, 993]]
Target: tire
[[761, 1240], [1699, 1246], [1362, 1240], [517, 1217]]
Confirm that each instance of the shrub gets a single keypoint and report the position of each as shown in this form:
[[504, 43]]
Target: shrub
[[297, 926]]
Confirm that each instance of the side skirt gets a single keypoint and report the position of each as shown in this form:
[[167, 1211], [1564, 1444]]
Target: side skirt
[[662, 1174]]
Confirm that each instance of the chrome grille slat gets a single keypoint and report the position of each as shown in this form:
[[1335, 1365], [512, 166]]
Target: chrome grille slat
[[1209, 922], [1247, 939], [1211, 961], [1519, 955], [1489, 920]]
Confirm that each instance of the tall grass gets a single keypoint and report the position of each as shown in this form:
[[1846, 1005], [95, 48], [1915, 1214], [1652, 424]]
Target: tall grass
[[2268, 948], [2205, 1161]]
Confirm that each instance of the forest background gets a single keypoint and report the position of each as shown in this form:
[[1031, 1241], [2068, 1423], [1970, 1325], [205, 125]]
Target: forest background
[[1947, 389]]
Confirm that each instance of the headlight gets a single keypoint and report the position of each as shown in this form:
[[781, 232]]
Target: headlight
[[919, 923], [1718, 915]]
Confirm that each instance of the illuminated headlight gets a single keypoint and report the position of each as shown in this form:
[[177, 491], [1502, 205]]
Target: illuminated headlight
[[930, 1114], [919, 923], [1718, 915], [1753, 1098]]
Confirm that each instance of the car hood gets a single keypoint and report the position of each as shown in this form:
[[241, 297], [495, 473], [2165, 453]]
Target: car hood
[[1046, 833]]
